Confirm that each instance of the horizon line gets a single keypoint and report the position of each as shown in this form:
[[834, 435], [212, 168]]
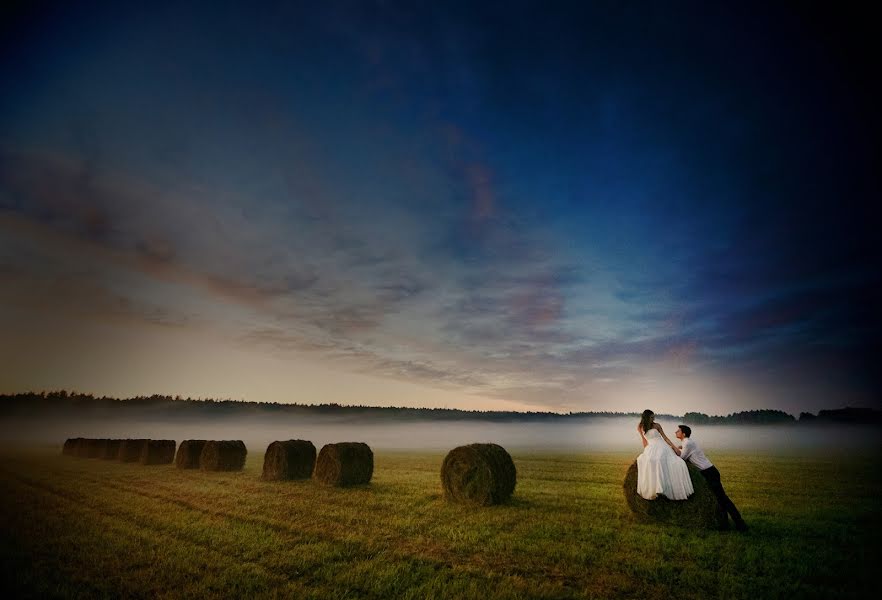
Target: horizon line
[[62, 393]]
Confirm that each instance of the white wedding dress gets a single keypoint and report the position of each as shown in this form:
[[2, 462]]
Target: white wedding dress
[[661, 471]]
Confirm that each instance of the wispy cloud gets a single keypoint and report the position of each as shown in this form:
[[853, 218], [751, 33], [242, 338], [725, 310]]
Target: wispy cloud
[[417, 313], [516, 323]]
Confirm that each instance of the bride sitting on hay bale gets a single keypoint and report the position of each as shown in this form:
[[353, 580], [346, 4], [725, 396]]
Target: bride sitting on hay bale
[[659, 469], [660, 490]]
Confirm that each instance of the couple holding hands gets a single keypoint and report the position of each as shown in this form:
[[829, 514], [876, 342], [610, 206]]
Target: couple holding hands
[[662, 470]]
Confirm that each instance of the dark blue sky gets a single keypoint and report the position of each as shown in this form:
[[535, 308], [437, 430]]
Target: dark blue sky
[[543, 205]]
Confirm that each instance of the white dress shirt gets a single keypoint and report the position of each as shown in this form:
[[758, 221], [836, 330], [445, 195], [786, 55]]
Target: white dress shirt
[[695, 455]]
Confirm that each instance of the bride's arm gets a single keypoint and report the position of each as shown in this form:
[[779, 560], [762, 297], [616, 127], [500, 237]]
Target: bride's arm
[[658, 428], [642, 436]]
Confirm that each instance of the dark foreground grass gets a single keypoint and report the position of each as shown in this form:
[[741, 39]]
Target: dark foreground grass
[[75, 527]]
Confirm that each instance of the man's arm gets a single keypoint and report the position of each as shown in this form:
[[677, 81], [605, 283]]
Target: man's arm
[[686, 450]]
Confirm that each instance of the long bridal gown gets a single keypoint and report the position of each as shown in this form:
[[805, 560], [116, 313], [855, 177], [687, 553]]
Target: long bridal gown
[[661, 471]]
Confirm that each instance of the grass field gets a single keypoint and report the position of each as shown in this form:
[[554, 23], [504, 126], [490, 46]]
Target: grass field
[[74, 527]]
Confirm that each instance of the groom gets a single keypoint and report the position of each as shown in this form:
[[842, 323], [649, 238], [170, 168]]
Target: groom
[[691, 452]]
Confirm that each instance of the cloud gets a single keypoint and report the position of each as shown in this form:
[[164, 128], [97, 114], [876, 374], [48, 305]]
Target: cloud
[[384, 296], [45, 283]]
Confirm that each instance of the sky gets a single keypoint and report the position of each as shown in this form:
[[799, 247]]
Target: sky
[[552, 206]]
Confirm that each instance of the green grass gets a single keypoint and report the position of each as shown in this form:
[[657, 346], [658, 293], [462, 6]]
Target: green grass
[[75, 527]]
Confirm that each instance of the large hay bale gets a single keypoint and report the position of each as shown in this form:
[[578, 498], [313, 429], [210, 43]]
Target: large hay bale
[[109, 449], [188, 454], [223, 455], [481, 474], [130, 450], [291, 459], [700, 511], [345, 463], [71, 445], [158, 452]]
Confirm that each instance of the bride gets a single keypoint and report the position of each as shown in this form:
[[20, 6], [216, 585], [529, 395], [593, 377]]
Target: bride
[[659, 469]]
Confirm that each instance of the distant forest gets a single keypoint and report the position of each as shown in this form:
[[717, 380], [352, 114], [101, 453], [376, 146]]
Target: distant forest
[[72, 404]]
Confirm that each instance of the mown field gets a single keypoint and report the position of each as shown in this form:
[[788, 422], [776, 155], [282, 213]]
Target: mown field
[[74, 527]]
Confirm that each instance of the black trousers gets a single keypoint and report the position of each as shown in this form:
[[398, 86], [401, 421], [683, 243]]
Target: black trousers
[[712, 476]]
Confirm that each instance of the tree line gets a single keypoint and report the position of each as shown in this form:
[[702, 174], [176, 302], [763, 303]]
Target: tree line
[[172, 407]]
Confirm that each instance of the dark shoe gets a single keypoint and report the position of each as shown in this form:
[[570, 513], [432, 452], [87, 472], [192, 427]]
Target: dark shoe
[[741, 526]]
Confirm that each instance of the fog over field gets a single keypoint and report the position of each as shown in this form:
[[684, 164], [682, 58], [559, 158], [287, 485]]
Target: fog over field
[[598, 434]]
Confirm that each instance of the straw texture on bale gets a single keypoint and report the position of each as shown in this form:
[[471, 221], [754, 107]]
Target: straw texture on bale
[[130, 450], [93, 448], [109, 449], [158, 452], [345, 463], [482, 474], [71, 445], [188, 454], [82, 447], [700, 511], [224, 455], [291, 459]]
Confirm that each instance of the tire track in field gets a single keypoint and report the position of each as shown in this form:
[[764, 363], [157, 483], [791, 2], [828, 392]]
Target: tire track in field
[[146, 532], [303, 525], [401, 547], [297, 533], [103, 484], [480, 562], [155, 539], [275, 582], [320, 535], [436, 555], [300, 576], [243, 519]]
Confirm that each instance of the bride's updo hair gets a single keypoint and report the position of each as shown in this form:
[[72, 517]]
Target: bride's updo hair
[[646, 420]]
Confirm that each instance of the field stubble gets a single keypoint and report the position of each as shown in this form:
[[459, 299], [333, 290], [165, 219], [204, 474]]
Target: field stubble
[[79, 527]]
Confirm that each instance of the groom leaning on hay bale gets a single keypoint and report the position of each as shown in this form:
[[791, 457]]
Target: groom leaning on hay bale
[[691, 452]]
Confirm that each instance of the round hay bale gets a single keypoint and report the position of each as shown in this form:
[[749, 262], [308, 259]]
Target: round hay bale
[[109, 449], [345, 463], [130, 450], [482, 474], [224, 455], [292, 459], [700, 511], [158, 452], [71, 446], [188, 454]]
